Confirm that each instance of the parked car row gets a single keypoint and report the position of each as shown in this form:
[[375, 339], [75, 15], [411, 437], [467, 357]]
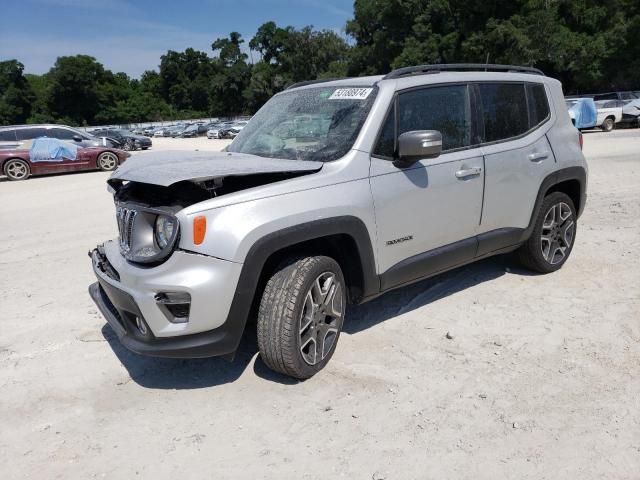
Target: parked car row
[[605, 110], [217, 129], [226, 129]]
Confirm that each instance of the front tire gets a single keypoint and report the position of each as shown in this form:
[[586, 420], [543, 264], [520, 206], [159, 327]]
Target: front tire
[[301, 316], [16, 169], [553, 236]]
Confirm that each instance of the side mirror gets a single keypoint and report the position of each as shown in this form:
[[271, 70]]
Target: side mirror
[[77, 138], [418, 145]]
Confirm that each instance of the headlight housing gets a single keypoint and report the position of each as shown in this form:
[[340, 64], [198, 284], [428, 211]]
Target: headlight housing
[[147, 235]]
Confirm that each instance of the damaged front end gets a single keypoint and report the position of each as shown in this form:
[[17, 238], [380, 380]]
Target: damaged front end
[[181, 179], [151, 189]]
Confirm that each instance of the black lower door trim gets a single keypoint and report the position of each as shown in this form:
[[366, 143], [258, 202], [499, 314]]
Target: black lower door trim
[[450, 256], [499, 239], [429, 263]]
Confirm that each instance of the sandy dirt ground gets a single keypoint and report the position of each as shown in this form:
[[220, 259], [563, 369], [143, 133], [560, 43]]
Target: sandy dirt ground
[[540, 380]]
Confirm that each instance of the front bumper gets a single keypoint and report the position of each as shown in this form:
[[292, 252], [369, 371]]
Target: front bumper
[[126, 296]]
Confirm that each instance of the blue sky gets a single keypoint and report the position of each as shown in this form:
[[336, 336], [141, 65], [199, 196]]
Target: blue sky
[[130, 35]]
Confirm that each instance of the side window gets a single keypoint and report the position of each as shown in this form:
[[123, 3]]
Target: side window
[[538, 105], [504, 110], [61, 134], [446, 109], [8, 136], [386, 141], [30, 133], [606, 96]]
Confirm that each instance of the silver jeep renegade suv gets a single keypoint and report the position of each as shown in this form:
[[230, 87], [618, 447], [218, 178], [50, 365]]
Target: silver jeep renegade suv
[[337, 192]]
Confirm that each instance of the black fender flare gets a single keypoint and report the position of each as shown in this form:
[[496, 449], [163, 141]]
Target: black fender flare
[[266, 246], [559, 176]]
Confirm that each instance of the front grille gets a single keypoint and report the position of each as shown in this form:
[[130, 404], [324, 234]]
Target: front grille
[[126, 218]]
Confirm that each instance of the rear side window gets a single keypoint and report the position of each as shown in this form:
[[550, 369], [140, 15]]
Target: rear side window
[[504, 110], [606, 96], [538, 105], [446, 109], [7, 136], [31, 133]]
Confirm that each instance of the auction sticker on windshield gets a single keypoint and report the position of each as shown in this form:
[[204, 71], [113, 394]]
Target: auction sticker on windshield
[[350, 94]]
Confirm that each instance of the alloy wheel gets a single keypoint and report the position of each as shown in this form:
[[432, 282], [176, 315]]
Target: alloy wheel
[[16, 170], [558, 232], [321, 318], [108, 161]]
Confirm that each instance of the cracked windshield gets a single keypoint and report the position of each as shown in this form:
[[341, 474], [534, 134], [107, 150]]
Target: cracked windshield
[[319, 124]]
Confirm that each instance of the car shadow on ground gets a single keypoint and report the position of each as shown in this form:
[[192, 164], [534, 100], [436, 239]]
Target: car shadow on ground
[[177, 374], [406, 299]]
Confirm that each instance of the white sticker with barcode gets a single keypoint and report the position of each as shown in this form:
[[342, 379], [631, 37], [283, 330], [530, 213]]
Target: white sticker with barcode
[[350, 94]]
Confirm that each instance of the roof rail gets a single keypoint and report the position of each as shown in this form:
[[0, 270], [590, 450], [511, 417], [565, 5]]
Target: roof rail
[[453, 67], [311, 82]]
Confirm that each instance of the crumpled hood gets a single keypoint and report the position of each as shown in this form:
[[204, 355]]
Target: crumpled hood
[[167, 168]]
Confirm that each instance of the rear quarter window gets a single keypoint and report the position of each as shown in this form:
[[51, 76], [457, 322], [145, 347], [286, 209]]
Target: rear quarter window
[[7, 136], [538, 104]]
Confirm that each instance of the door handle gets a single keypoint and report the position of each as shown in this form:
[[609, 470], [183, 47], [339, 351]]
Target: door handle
[[537, 156], [468, 172]]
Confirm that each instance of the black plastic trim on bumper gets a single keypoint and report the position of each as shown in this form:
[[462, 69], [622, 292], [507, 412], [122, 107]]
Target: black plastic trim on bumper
[[121, 310], [219, 342]]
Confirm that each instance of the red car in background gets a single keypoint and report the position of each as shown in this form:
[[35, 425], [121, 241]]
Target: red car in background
[[17, 165]]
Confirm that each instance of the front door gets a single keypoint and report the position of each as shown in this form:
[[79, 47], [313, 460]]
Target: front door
[[427, 215]]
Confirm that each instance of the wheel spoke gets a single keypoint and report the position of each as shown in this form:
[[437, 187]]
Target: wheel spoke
[[549, 219], [316, 292], [307, 313], [328, 290], [336, 302], [309, 347], [564, 211], [567, 233], [547, 241], [326, 339]]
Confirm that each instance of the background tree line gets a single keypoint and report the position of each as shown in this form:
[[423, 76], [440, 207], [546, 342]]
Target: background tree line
[[590, 45]]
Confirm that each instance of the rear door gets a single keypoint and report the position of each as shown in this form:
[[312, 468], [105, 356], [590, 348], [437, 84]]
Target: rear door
[[427, 214], [518, 157]]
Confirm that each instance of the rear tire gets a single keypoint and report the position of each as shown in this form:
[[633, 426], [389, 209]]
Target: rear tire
[[608, 124], [16, 169], [301, 316], [553, 236], [107, 161]]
